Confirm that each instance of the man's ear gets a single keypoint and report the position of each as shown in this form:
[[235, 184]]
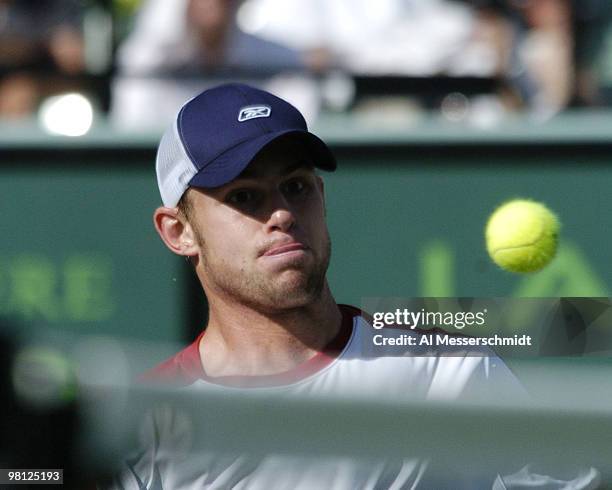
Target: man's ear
[[175, 231]]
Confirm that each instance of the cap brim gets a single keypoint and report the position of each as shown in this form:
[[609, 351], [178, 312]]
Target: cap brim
[[227, 166]]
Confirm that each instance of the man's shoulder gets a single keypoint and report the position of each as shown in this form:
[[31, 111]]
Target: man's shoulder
[[182, 369]]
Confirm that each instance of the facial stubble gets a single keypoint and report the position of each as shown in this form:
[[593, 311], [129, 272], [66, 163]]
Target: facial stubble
[[293, 287]]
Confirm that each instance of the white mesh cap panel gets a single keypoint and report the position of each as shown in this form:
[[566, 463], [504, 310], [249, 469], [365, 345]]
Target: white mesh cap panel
[[174, 167]]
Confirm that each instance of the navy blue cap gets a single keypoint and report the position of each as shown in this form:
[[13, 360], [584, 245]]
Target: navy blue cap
[[219, 132]]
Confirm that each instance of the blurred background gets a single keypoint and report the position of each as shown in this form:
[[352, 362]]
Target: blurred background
[[135, 61], [438, 111]]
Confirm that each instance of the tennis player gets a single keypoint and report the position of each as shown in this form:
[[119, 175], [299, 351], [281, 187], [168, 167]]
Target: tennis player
[[242, 199]]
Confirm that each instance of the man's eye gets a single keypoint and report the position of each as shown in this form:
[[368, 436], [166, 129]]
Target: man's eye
[[242, 197], [296, 187]]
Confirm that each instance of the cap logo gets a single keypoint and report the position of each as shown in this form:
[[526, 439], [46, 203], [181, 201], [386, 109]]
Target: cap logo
[[253, 112]]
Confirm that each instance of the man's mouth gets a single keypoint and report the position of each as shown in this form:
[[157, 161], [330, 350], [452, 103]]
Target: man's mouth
[[285, 248]]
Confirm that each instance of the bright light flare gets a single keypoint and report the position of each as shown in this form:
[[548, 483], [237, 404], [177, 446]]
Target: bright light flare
[[67, 115]]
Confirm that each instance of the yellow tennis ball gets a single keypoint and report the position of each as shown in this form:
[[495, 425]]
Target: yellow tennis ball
[[522, 236]]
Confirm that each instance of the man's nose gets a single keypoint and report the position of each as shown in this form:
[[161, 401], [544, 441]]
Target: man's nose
[[281, 217], [281, 220]]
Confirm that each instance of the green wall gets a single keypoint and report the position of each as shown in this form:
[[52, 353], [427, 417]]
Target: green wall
[[406, 211], [418, 229], [78, 252]]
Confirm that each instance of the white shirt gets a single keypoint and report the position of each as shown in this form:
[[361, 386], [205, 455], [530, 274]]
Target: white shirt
[[351, 365]]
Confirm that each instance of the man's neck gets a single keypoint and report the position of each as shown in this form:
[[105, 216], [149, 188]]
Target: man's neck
[[244, 341]]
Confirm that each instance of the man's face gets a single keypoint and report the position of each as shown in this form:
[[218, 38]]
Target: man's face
[[262, 238]]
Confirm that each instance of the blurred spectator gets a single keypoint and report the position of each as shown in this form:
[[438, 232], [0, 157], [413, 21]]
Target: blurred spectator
[[544, 49], [529, 42], [592, 27], [399, 37], [176, 43], [395, 39], [38, 38]]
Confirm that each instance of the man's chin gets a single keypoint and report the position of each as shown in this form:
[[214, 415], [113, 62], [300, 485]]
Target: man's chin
[[295, 289]]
